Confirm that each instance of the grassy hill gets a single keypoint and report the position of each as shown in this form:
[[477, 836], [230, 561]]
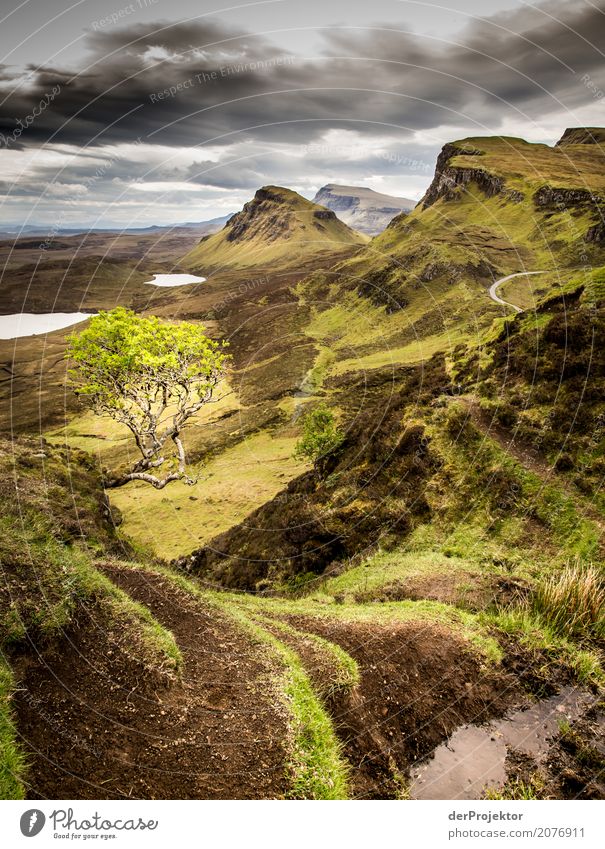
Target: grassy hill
[[496, 206], [277, 227], [443, 565]]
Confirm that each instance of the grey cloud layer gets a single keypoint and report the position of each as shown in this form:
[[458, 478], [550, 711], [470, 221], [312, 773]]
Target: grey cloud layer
[[519, 62]]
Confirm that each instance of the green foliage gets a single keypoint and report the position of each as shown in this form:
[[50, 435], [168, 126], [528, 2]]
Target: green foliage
[[320, 435], [120, 354], [149, 375]]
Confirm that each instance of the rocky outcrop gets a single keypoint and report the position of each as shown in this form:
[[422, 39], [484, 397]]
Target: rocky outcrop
[[324, 215], [548, 197], [560, 200], [596, 233], [363, 209], [582, 135], [449, 180]]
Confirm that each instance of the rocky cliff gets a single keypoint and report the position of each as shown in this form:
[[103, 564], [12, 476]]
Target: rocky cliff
[[362, 208]]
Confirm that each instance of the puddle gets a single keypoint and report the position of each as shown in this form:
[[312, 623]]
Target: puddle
[[34, 324], [174, 280], [474, 755]]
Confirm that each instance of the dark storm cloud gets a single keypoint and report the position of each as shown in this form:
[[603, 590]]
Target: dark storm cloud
[[185, 85]]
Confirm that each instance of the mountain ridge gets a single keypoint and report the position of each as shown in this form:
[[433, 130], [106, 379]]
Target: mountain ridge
[[362, 208], [276, 225]]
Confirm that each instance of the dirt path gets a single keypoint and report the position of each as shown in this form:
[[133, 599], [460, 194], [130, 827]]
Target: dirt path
[[493, 289], [418, 683], [93, 728]]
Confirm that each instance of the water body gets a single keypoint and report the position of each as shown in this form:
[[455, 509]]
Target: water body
[[174, 280], [474, 756], [21, 324]]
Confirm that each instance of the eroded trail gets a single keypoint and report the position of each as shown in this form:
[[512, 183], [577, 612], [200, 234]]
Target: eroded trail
[[219, 732]]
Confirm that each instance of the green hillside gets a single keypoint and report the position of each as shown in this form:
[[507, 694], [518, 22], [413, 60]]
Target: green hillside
[[496, 206], [441, 565], [277, 227]]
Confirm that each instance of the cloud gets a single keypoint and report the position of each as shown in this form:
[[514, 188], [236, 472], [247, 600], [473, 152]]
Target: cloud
[[228, 85], [161, 115]]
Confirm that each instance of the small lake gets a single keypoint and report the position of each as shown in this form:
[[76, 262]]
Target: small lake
[[174, 280], [34, 324]]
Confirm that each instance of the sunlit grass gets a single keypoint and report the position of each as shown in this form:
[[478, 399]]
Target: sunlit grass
[[176, 520], [572, 602], [12, 760]]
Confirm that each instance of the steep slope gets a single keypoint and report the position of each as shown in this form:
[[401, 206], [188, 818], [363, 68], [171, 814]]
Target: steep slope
[[539, 381], [496, 206], [97, 697], [133, 736], [413, 461], [582, 135], [277, 227], [361, 208]]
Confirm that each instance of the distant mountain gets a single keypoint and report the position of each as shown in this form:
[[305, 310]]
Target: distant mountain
[[12, 230], [276, 226], [361, 208]]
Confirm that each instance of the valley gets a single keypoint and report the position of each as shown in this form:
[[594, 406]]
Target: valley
[[288, 630]]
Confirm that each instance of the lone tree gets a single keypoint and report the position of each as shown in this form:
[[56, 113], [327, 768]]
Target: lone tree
[[151, 376], [320, 436]]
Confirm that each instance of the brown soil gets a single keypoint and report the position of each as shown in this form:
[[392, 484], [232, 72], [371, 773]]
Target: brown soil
[[462, 589], [95, 724], [535, 670], [418, 684], [575, 765]]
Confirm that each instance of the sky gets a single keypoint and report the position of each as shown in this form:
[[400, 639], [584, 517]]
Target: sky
[[117, 114]]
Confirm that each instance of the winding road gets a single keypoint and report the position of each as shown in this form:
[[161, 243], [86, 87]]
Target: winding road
[[493, 289]]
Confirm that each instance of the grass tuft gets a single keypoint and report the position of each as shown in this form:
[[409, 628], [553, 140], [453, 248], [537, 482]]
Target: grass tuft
[[572, 603], [536, 636], [516, 789]]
